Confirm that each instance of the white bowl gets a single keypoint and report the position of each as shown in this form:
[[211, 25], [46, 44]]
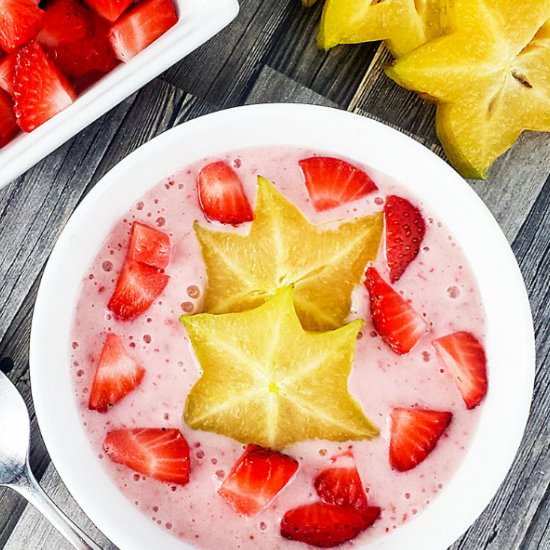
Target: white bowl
[[199, 20], [509, 345]]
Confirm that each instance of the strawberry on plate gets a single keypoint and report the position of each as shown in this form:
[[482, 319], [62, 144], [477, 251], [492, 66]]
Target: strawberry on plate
[[109, 9], [222, 196], [149, 246], [393, 317], [326, 525], [141, 26], [117, 374], [332, 182], [137, 288], [39, 89], [65, 21], [8, 124], [340, 484], [161, 453], [7, 72], [465, 359], [20, 22], [257, 477], [414, 434], [405, 229]]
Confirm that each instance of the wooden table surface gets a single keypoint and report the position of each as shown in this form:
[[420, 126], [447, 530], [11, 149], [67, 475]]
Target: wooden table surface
[[268, 54]]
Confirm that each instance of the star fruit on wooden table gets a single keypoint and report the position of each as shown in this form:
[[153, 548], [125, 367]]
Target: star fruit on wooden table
[[265, 380], [282, 248], [403, 24], [490, 77]]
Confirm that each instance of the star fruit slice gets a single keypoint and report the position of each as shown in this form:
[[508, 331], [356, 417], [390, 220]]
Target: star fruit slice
[[283, 248], [265, 380], [490, 78], [403, 24]]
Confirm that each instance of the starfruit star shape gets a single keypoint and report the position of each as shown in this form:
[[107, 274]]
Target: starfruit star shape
[[490, 77], [265, 380], [282, 248], [403, 24]]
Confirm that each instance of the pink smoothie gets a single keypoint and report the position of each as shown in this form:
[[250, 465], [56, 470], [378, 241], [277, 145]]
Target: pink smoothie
[[438, 283]]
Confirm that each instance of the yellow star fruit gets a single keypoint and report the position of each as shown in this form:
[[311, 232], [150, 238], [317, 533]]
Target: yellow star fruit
[[490, 76], [283, 248], [265, 380]]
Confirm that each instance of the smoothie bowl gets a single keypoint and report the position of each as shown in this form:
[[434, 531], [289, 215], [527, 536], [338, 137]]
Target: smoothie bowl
[[253, 337]]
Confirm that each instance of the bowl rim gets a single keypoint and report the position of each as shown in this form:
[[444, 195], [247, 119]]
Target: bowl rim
[[374, 144]]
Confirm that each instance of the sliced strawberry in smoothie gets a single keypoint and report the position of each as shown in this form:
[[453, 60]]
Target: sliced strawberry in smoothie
[[399, 325], [161, 453], [149, 246], [340, 484], [117, 374], [414, 434], [141, 26], [20, 22], [405, 229], [7, 72], [332, 182], [40, 90], [8, 124], [222, 196], [256, 479], [465, 359], [326, 525], [109, 9], [65, 21], [138, 286]]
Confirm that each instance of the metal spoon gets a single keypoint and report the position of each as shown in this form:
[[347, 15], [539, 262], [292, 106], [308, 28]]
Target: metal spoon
[[15, 471]]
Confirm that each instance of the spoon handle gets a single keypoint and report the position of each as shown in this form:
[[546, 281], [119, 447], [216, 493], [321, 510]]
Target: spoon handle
[[28, 487]]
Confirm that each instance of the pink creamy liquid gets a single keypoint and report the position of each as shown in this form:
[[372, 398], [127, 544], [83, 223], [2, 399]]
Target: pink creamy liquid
[[439, 284]]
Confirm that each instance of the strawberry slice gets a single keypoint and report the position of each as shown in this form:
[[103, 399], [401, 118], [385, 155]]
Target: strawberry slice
[[332, 182], [7, 72], [116, 376], [109, 9], [405, 229], [149, 246], [39, 89], [8, 124], [222, 196], [137, 288], [141, 26], [65, 21], [20, 21], [414, 434], [256, 479], [465, 359], [326, 525], [341, 484], [395, 320], [160, 453], [91, 54]]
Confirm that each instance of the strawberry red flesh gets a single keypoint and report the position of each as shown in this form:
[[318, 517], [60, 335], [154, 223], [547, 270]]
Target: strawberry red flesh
[[8, 124], [256, 479], [341, 484], [7, 72], [222, 196], [393, 317], [405, 229], [39, 89], [414, 434], [464, 357], [65, 21], [109, 9], [332, 182], [138, 286], [149, 246], [117, 374], [20, 22], [160, 453], [325, 525], [141, 26]]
